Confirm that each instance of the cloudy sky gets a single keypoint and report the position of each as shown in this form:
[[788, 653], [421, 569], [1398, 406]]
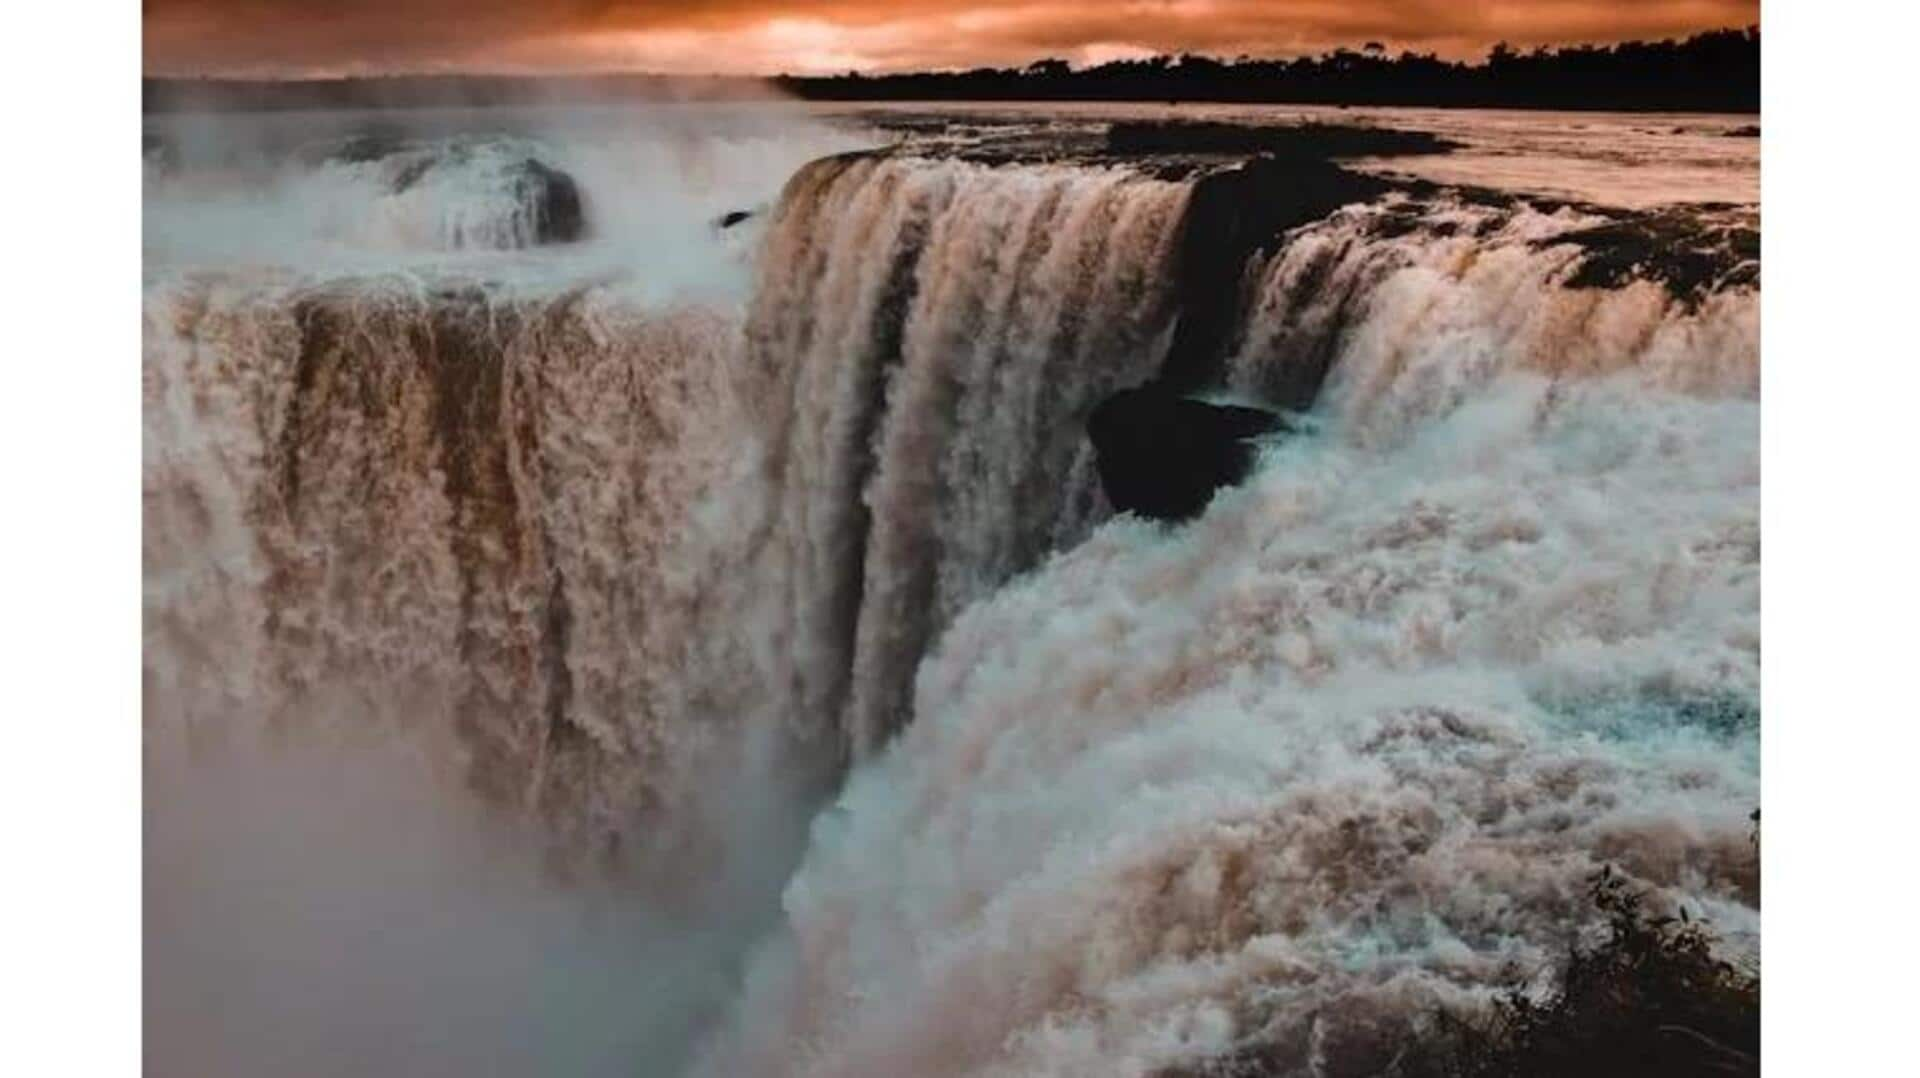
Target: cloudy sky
[[314, 37]]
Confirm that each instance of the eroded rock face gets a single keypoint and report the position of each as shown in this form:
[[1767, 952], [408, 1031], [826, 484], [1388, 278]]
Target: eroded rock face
[[1163, 455]]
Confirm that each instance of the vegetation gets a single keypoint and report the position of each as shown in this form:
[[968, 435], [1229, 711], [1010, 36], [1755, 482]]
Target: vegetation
[[1717, 71], [1651, 1000]]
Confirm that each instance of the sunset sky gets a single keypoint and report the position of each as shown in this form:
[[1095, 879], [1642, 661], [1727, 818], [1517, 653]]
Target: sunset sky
[[305, 37]]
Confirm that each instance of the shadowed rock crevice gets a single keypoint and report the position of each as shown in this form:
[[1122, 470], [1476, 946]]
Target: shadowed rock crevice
[[1286, 176]]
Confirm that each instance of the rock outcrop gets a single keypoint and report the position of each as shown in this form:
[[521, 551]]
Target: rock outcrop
[[1163, 455], [554, 198]]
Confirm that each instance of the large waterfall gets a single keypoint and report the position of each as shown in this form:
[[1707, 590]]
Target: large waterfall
[[791, 593], [1346, 748], [925, 341]]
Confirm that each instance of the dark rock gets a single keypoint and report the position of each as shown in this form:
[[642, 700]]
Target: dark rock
[[734, 217], [1321, 142], [155, 150], [1749, 131], [1231, 216], [405, 171], [1236, 213], [1692, 252], [1163, 455], [372, 144], [555, 199], [551, 194]]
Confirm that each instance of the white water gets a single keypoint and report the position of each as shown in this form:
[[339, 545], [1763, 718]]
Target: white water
[[640, 543], [653, 181], [925, 339], [464, 195], [1340, 751], [1420, 323], [426, 524]]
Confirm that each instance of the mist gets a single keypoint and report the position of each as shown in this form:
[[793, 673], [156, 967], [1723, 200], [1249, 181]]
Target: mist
[[343, 906], [275, 191]]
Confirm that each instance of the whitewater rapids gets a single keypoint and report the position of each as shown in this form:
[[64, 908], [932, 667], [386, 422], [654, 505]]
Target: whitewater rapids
[[666, 564]]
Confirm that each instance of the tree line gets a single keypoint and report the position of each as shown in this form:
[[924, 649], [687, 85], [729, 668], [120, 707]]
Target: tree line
[[1716, 71]]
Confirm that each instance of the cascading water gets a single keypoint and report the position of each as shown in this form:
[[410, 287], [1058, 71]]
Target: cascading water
[[651, 559], [925, 341], [1435, 299], [426, 524], [1346, 749], [442, 506]]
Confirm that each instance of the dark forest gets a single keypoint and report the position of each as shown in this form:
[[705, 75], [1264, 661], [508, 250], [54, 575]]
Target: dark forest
[[1718, 71]]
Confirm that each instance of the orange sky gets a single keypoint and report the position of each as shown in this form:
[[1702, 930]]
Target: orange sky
[[291, 37]]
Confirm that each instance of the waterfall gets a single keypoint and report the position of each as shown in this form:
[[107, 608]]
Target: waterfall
[[667, 569], [584, 530], [1411, 309], [1345, 750], [925, 342], [437, 506]]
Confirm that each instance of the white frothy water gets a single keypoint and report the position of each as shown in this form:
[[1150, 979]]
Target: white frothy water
[[1347, 748], [538, 519], [431, 508], [1418, 322], [925, 339], [333, 195], [642, 542], [456, 194], [425, 523]]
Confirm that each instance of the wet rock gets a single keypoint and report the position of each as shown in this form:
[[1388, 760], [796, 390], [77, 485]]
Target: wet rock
[[555, 199], [1321, 142], [158, 153], [1231, 216], [1163, 455], [550, 195], [1691, 252], [375, 144]]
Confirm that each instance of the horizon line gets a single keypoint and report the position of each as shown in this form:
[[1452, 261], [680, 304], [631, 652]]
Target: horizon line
[[1364, 49]]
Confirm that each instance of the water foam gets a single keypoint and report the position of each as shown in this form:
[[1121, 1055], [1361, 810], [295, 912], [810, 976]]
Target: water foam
[[925, 339], [1345, 749]]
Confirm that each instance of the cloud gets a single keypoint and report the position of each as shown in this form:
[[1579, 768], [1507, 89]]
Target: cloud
[[768, 36]]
